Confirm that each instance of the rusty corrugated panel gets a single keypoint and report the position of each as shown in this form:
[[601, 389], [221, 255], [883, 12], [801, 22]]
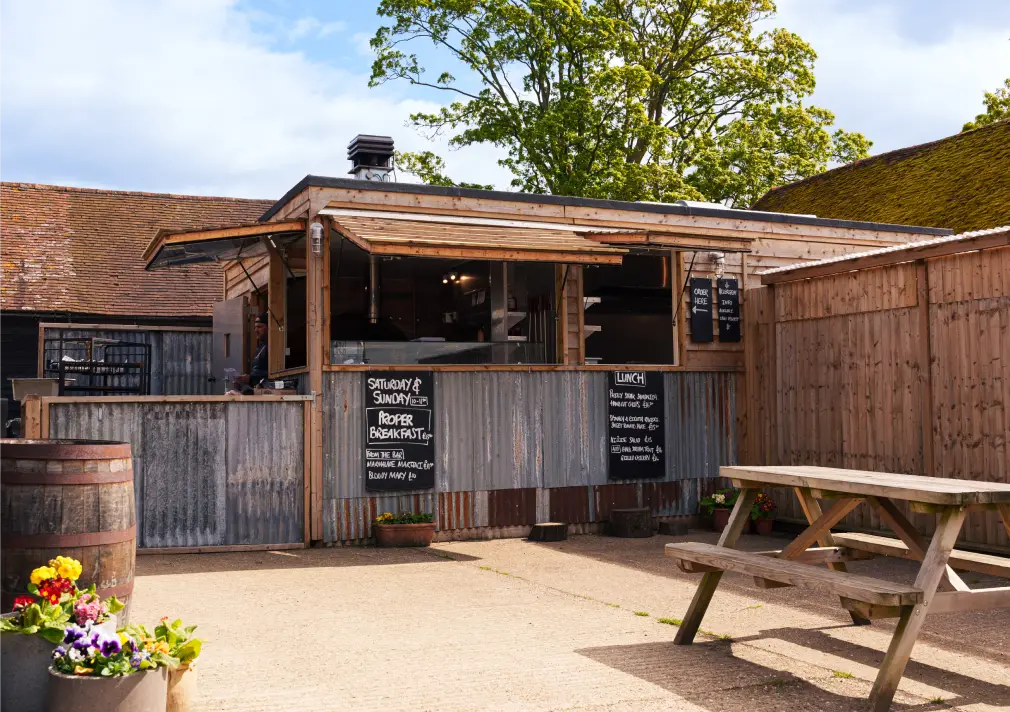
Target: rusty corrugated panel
[[608, 497], [205, 474], [343, 435], [662, 498], [569, 504], [462, 510], [512, 507]]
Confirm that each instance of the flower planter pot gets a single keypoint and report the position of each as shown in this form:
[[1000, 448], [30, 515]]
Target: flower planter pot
[[720, 517], [140, 692], [403, 534], [181, 688], [24, 666], [763, 526]]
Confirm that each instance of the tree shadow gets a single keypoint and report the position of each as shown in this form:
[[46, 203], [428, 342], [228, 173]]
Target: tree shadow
[[323, 557], [709, 675]]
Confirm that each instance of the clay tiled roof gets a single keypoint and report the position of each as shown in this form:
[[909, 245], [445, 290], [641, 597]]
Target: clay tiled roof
[[961, 182], [80, 250]]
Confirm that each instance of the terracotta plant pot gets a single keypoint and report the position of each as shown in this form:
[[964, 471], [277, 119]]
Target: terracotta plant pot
[[24, 665], [763, 526], [720, 517], [181, 688], [140, 692], [403, 534]]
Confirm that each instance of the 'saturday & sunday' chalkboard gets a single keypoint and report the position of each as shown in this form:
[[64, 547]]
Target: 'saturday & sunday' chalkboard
[[636, 425], [399, 431]]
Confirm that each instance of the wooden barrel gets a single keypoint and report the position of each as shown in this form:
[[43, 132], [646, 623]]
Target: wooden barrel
[[69, 497]]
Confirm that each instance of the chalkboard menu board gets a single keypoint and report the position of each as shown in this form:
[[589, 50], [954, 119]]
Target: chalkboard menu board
[[701, 309], [399, 431], [729, 309], [636, 425]]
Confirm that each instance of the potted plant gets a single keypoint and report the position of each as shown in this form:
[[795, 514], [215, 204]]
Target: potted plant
[[762, 513], [36, 624], [718, 506], [96, 670], [403, 529], [183, 647]]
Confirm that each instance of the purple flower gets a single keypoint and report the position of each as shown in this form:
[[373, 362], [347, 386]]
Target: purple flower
[[110, 646], [74, 633], [138, 658], [59, 652]]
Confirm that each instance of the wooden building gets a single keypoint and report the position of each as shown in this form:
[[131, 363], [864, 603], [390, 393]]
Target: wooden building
[[508, 333], [73, 264]]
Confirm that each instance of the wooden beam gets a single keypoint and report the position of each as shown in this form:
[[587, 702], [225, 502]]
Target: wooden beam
[[928, 250], [825, 555], [307, 473], [822, 525], [277, 316], [41, 363], [980, 599], [870, 611], [925, 373], [31, 417], [1004, 514], [61, 400], [122, 327], [959, 560], [502, 254], [900, 525], [175, 237]]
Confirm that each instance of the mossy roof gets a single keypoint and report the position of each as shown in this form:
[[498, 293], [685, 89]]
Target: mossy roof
[[961, 182]]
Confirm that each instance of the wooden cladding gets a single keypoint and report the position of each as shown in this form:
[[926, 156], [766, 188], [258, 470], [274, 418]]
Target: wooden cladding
[[904, 368], [870, 290]]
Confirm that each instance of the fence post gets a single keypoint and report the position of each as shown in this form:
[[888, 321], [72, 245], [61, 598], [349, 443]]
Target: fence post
[[31, 417], [925, 360]]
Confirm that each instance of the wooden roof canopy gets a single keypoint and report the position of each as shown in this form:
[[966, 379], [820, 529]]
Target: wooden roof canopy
[[219, 244]]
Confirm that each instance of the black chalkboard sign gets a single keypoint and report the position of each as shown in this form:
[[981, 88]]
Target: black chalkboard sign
[[701, 309], [636, 425], [399, 431], [729, 309]]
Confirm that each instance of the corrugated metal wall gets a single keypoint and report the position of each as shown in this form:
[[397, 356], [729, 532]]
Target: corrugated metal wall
[[513, 448], [180, 360], [206, 473]]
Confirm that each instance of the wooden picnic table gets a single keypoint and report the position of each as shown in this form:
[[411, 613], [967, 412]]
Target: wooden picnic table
[[937, 587]]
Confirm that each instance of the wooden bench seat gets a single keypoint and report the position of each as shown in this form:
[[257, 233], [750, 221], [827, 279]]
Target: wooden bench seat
[[959, 560], [698, 557]]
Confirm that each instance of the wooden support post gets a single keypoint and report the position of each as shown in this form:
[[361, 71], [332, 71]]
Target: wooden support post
[[710, 581], [277, 316], [307, 474], [912, 619], [41, 365], [680, 355], [313, 297], [925, 376], [1004, 514], [812, 511], [31, 417]]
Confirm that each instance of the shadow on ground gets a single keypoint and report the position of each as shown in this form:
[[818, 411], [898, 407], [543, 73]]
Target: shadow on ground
[[335, 557], [709, 675], [989, 638]]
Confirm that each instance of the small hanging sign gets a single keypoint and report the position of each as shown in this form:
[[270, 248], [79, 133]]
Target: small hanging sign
[[728, 291], [701, 310]]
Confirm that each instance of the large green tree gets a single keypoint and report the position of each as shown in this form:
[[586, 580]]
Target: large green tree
[[622, 99], [997, 108]]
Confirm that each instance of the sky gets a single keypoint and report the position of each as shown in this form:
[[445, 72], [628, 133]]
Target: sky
[[245, 97]]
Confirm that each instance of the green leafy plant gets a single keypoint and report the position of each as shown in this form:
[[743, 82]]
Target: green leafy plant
[[723, 499], [38, 618], [763, 508], [90, 651], [404, 518]]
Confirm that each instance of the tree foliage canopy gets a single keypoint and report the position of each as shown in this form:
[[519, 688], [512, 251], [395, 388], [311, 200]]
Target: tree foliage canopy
[[621, 99], [997, 107]]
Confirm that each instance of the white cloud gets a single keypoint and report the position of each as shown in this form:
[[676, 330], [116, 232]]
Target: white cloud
[[897, 90], [305, 26], [186, 96]]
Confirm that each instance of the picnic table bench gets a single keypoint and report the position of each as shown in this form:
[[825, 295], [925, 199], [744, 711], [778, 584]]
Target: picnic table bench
[[866, 598]]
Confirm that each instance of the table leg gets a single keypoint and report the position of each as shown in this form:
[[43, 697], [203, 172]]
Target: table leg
[[1004, 514], [934, 564], [710, 581], [812, 510]]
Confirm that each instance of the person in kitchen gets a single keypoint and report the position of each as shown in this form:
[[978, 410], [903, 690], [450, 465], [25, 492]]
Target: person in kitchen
[[259, 366]]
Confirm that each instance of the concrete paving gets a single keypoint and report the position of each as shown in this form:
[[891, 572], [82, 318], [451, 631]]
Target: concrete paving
[[585, 624]]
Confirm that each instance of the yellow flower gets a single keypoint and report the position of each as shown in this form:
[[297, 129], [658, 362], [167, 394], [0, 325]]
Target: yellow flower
[[66, 567], [81, 670], [42, 573]]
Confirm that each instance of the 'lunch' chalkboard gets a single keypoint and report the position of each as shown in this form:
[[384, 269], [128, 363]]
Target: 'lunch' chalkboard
[[399, 431], [729, 309], [636, 425], [701, 310]]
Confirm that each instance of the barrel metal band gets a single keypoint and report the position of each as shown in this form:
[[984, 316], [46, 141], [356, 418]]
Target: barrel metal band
[[56, 479], [69, 541]]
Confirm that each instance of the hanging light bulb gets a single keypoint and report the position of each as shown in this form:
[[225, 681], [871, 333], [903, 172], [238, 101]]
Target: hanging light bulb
[[445, 280], [453, 276]]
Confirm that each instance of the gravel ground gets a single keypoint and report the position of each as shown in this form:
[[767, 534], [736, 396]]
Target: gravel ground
[[585, 624]]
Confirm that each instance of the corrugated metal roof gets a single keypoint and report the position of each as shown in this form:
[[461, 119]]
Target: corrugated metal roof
[[909, 247]]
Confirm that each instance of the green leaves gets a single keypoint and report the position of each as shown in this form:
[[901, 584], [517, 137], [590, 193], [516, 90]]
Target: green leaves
[[997, 108], [624, 99], [41, 618]]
